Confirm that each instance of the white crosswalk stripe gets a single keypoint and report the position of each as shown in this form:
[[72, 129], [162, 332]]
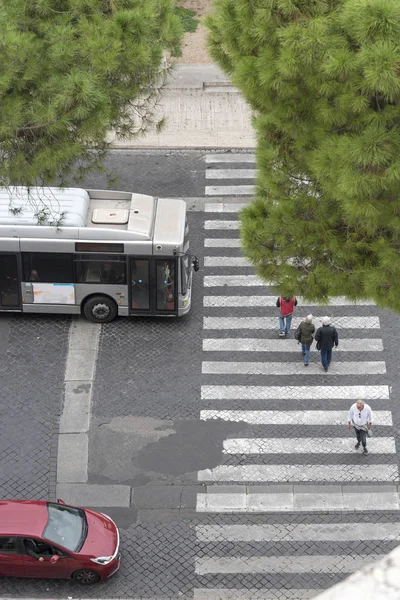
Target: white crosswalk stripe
[[289, 392], [290, 501], [230, 158], [224, 207], [230, 173], [284, 564], [278, 473], [304, 446], [271, 322], [230, 190], [292, 417], [316, 474], [292, 368], [291, 345], [250, 301], [298, 533]]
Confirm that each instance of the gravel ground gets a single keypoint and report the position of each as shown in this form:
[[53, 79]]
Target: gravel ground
[[193, 47]]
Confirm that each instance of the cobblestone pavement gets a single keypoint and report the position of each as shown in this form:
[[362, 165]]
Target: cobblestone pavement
[[207, 518], [33, 351]]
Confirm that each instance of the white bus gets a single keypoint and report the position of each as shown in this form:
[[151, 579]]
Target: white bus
[[113, 253]]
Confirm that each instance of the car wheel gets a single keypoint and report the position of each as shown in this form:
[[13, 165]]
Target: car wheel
[[100, 309], [85, 576]]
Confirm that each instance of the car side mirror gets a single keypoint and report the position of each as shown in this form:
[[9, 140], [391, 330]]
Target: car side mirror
[[54, 559], [196, 264], [60, 501]]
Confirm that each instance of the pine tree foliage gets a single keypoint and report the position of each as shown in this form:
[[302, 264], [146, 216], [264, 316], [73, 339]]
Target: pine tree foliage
[[70, 72], [323, 78]]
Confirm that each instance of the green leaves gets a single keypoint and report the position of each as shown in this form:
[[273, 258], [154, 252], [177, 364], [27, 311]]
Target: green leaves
[[325, 86], [71, 71]]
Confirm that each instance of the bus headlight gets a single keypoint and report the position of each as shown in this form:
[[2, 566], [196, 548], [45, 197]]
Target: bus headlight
[[185, 302]]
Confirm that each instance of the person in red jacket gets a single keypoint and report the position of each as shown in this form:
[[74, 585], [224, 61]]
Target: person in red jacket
[[286, 306]]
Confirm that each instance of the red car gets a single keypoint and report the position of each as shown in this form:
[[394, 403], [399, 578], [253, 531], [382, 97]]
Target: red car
[[53, 540]]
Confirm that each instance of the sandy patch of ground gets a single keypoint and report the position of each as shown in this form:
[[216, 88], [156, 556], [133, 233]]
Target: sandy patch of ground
[[194, 49]]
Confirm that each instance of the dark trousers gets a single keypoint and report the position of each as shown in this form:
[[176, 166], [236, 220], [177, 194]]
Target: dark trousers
[[326, 357], [361, 436]]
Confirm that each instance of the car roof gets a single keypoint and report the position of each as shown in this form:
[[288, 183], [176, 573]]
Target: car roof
[[23, 517]]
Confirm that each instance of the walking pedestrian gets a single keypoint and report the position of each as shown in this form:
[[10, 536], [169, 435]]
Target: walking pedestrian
[[326, 337], [305, 336], [286, 306], [360, 418]]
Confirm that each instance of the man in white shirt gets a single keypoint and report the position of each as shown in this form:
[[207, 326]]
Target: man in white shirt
[[360, 418]]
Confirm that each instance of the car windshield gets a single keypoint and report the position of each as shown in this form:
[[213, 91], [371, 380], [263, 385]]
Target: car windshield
[[66, 526]]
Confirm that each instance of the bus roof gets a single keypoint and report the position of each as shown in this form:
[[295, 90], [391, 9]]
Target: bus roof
[[90, 215]]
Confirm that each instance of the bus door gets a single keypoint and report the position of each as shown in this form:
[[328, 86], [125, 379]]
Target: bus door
[[10, 297], [153, 286]]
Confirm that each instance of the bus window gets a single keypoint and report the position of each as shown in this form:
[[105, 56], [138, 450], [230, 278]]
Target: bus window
[[165, 285], [100, 268], [48, 268], [140, 284]]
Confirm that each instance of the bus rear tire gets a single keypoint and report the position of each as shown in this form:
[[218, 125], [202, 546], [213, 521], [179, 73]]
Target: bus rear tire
[[100, 309]]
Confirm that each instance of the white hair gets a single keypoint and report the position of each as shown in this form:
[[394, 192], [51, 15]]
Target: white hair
[[326, 320], [309, 318]]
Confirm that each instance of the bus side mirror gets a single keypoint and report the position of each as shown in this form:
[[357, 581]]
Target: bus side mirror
[[196, 264]]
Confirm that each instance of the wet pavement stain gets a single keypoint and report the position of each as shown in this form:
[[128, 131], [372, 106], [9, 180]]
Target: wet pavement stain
[[194, 446]]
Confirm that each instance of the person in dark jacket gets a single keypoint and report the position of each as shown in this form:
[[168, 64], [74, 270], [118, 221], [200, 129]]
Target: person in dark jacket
[[305, 336], [326, 337], [286, 306]]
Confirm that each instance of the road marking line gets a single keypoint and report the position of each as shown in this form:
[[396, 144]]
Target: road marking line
[[230, 158], [230, 190], [268, 345], [230, 173], [213, 225], [264, 503], [222, 243], [253, 594], [291, 417], [245, 300], [300, 473], [292, 368], [234, 280], [291, 392], [272, 323], [338, 445], [349, 563], [328, 532], [224, 207], [226, 261]]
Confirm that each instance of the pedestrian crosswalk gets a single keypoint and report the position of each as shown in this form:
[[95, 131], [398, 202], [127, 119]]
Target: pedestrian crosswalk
[[291, 507]]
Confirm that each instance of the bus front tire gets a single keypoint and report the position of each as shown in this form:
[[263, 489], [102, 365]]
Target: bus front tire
[[100, 309]]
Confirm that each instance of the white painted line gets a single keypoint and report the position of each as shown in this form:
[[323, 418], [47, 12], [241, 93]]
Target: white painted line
[[254, 594], [246, 300], [292, 368], [73, 444], [222, 243], [224, 207], [85, 494], [213, 225], [264, 503], [226, 261], [291, 345], [328, 532], [272, 323], [291, 392], [299, 473], [291, 417], [234, 280], [284, 564], [230, 190], [230, 158], [230, 173], [304, 445]]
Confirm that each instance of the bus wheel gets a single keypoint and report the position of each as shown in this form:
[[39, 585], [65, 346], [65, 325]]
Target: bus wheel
[[100, 309]]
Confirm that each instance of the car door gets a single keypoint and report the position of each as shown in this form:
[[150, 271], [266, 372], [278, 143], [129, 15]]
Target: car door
[[46, 569], [11, 560]]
